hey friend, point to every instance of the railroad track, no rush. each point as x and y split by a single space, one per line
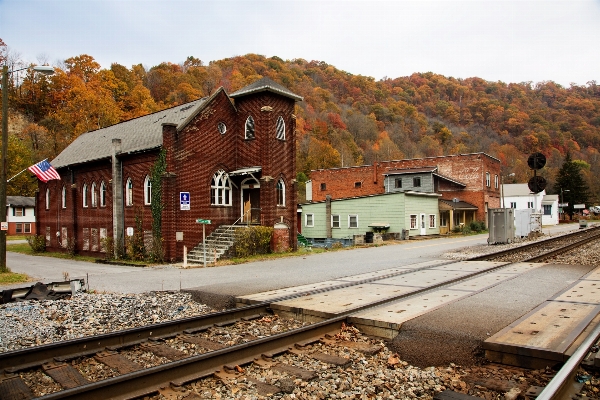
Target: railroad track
174 368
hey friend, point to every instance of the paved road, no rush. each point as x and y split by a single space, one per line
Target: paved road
254 277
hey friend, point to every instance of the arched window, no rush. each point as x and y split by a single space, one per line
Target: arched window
129 192
94 198
47 199
63 197
147 191
249 130
280 192
102 194
280 129
84 194
220 189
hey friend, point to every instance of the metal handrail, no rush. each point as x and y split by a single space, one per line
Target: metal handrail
232 226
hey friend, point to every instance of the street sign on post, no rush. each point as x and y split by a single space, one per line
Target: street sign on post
579 206
184 201
204 222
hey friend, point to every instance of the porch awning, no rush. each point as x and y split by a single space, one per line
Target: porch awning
379 225
245 171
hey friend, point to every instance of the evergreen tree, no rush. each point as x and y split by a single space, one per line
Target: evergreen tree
570 185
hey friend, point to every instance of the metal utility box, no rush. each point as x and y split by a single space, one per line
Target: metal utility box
501 223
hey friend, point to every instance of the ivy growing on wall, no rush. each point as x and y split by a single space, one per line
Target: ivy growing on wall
156 204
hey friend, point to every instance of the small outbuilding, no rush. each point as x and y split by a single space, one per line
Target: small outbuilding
395 215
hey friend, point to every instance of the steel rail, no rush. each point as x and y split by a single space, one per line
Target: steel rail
36 356
532 245
564 249
177 373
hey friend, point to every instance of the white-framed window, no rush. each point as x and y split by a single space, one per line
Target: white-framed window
94 195
63 197
432 221
280 129
102 194
496 181
249 128
413 221
547 209
147 191
280 192
513 204
222 128
309 220
27 227
530 204
220 189
417 182
47 199
18 211
487 179
352 221
335 221
129 192
84 195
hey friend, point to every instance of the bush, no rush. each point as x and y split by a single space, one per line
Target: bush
252 240
37 243
477 226
107 244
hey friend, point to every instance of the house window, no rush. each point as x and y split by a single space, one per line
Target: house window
280 129
129 192
94 195
352 221
357 185
280 193
432 220
487 179
413 221
443 219
530 204
323 186
18 211
147 190
249 130
335 221
222 128
416 182
309 220
496 181
63 197
47 199
513 204
102 194
18 227
84 195
398 183
547 209
220 189
27 227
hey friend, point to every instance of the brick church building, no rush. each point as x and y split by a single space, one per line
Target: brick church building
224 158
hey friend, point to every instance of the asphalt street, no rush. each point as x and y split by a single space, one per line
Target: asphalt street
248 278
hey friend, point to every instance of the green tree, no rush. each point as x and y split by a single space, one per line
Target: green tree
571 185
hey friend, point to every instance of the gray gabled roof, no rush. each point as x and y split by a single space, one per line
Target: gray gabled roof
265 84
138 134
20 201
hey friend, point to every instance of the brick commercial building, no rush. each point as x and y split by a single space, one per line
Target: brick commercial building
224 158
470 183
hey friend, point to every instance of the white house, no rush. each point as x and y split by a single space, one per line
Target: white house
519 197
20 215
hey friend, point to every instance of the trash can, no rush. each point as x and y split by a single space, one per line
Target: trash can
369 237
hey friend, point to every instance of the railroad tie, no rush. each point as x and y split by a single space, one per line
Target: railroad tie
66 376
163 350
202 342
116 361
12 387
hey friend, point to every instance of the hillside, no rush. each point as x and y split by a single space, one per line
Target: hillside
344 120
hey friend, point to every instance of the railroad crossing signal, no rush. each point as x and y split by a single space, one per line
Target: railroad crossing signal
537 183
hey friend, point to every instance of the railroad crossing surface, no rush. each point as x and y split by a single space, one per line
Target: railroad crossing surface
526 314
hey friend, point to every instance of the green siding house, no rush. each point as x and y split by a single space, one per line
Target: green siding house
416 212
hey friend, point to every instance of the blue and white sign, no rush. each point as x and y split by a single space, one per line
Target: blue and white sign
184 200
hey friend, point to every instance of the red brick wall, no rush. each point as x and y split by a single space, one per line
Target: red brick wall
469 169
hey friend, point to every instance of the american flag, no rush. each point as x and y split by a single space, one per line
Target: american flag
44 171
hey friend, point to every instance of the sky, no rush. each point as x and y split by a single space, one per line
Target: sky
509 41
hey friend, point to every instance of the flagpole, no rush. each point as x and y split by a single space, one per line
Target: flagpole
16 175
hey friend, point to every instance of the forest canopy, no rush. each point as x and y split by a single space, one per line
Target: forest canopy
344 120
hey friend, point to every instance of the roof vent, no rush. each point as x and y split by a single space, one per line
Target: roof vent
455 200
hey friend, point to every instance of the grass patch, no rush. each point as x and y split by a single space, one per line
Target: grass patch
16 237
24 248
271 256
11 277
